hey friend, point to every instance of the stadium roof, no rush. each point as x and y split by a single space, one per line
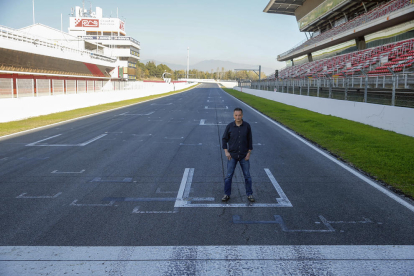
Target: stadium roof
287 7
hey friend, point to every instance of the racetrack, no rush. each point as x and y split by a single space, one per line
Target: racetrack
152 175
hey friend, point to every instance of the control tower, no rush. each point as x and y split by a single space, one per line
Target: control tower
110 34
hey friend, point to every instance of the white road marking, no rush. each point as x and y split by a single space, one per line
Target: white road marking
56 171
111 203
283 198
203 123
158 191
137 211
206 107
184 200
258 144
131 114
209 260
31 144
333 159
23 196
36 144
199 144
86 116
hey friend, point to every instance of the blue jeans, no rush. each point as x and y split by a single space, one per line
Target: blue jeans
231 166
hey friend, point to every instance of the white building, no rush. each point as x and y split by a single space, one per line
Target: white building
109 36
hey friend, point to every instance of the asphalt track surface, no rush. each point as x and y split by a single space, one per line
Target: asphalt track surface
152 174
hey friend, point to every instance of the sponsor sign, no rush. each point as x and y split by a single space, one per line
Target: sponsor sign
98 24
87 23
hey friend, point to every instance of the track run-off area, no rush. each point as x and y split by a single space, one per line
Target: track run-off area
137 191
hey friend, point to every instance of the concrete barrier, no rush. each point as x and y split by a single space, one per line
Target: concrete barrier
23 108
393 118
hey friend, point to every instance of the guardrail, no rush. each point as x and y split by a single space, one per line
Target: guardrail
396 90
14 35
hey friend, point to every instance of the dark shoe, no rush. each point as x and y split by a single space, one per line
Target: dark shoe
250 198
225 198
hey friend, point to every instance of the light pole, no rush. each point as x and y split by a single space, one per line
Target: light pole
188 61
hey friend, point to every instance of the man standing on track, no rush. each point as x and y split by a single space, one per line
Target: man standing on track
238 136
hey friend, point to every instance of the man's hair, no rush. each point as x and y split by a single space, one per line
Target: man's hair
238 109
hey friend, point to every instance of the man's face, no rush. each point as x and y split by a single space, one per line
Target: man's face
238 116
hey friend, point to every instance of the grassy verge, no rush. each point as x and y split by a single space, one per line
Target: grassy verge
26 124
384 155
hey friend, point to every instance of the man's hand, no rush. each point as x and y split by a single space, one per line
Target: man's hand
247 156
227 154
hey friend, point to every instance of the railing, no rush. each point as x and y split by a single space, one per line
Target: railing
396 90
14 35
107 37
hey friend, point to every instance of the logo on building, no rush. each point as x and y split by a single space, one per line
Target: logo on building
121 25
94 23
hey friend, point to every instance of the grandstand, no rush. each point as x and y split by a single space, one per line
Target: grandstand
349 38
95 55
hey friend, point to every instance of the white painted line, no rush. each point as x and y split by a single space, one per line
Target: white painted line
187 177
283 198
333 159
137 211
179 138
203 123
206 107
36 144
56 171
81 117
92 205
32 144
258 144
184 200
158 191
130 114
208 260
23 196
92 140
199 144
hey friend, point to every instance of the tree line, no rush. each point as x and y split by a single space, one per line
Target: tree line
150 71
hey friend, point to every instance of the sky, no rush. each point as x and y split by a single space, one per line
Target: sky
231 30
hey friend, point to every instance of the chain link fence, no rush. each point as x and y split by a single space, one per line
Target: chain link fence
395 89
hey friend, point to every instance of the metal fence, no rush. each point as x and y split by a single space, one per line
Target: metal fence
393 90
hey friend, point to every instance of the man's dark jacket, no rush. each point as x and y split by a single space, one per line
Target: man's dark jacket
239 139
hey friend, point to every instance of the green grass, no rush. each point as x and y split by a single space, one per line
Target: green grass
17 126
384 155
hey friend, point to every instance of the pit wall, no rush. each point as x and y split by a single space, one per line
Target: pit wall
23 108
393 118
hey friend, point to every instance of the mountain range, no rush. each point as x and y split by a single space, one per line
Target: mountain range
207 65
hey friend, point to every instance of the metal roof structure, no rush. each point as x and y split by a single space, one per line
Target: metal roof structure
287 7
